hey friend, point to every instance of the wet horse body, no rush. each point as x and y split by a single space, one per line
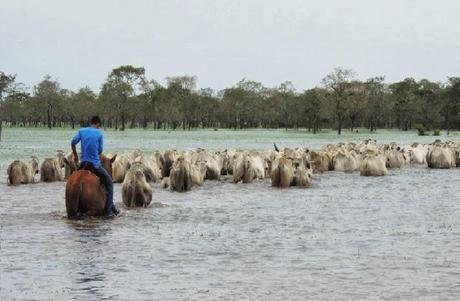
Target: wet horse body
85 195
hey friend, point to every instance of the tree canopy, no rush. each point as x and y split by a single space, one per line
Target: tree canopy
127 98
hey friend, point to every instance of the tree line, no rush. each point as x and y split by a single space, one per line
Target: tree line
127 99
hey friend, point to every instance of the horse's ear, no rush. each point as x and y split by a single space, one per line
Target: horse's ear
113 159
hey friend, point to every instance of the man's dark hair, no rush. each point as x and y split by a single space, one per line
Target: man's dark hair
95 120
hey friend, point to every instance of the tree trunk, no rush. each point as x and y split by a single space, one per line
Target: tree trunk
339 126
122 121
49 117
448 124
406 125
315 124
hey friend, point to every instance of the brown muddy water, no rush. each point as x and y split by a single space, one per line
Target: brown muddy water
345 238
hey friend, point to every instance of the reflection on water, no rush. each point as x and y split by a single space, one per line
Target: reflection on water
395 237
90 241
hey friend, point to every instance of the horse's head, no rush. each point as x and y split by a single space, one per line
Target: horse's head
71 165
107 163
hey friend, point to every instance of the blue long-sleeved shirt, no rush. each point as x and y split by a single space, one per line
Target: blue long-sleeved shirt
92 145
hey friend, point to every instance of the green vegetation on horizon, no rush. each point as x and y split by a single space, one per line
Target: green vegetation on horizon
128 99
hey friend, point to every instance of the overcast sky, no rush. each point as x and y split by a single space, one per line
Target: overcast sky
221 42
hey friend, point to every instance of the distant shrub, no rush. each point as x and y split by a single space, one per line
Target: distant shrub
436 133
421 129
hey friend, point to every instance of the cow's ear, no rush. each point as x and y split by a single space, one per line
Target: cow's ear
113 159
66 161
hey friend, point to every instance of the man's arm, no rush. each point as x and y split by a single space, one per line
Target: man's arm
75 155
74 143
101 144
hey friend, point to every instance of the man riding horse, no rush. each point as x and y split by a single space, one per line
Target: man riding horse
92 142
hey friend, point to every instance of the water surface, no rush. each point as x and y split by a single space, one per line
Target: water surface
346 238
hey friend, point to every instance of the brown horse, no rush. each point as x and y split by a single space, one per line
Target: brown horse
84 194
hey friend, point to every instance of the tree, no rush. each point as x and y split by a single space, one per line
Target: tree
152 92
183 102
337 83
15 105
428 104
356 102
290 104
80 106
404 94
5 83
312 103
208 108
240 103
127 98
48 95
252 95
451 102
122 84
375 109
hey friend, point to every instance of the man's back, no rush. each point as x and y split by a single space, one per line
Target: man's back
91 145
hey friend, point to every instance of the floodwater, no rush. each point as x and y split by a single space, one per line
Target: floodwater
345 238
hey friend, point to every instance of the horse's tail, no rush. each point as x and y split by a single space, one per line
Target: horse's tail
72 198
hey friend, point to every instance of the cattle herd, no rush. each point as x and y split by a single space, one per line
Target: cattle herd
181 170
